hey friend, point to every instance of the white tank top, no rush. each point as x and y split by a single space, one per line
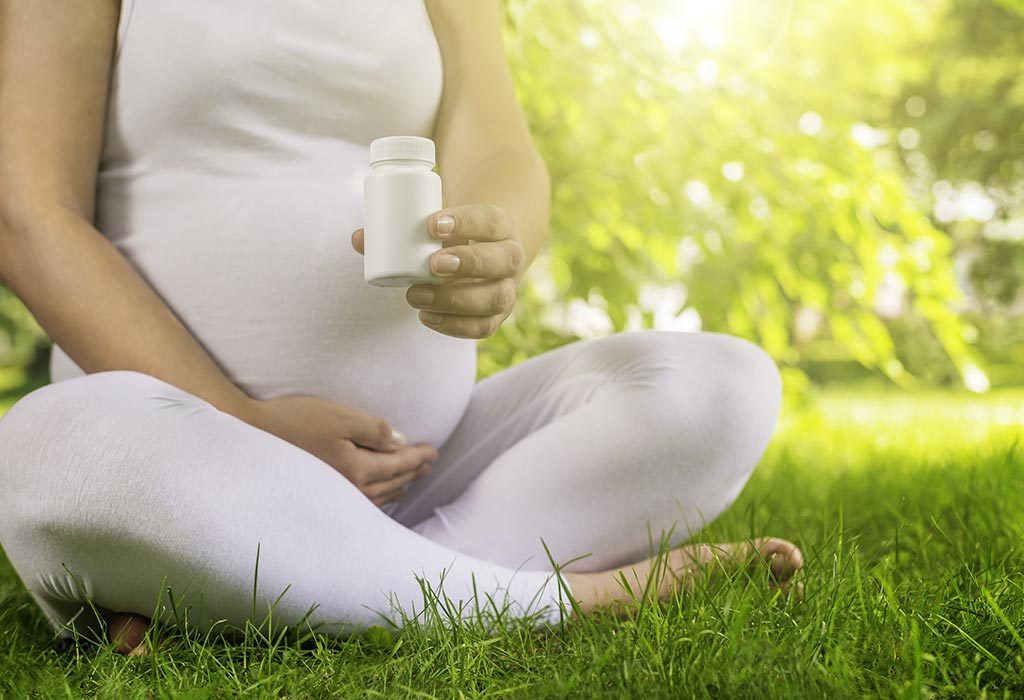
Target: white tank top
237 139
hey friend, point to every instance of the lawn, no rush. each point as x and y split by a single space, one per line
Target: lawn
909 509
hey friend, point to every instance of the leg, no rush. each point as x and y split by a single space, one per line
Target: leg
586 444
116 483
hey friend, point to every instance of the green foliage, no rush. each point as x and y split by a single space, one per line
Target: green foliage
999 271
972 127
20 338
1013 5
746 159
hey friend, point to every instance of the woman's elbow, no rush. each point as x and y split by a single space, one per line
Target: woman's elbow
21 216
541 179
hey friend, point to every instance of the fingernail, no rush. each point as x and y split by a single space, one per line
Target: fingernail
397 438
430 317
446 263
444 226
421 296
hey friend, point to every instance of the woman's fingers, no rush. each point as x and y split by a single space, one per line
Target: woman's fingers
395 495
472 222
379 489
476 327
368 466
465 297
485 260
372 432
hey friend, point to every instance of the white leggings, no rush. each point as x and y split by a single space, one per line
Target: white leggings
118 486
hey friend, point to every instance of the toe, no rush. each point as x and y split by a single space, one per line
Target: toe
128 631
784 558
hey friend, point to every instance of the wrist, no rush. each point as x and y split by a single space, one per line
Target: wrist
242 406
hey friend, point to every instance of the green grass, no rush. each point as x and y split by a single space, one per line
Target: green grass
910 511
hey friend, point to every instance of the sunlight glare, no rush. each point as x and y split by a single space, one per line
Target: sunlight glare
693 13
711 35
671 33
698 193
702 18
810 123
733 171
975 379
707 71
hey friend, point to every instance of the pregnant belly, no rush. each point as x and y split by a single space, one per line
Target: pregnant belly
264 275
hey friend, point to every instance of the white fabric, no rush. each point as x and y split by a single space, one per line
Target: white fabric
126 482
236 142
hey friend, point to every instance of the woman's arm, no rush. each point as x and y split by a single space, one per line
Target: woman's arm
55 59
496 185
485 152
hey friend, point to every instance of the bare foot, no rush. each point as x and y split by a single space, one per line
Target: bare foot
128 631
682 566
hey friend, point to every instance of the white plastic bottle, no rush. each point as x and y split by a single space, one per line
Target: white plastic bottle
399 193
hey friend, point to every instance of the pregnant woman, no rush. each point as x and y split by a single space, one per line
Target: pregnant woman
180 207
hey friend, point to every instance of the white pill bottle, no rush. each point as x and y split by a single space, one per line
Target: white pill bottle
399 193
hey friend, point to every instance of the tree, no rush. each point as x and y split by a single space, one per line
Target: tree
742 161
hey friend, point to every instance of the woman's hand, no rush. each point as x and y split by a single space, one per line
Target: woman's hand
363 448
484 276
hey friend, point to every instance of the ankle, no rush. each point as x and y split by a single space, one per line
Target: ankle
584 590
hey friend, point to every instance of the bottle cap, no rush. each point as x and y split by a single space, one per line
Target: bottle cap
402 148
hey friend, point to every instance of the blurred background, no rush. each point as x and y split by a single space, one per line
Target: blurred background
840 181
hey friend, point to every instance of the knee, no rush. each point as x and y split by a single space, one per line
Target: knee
744 401
750 381
79 410
756 385
51 404
726 390
63 445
